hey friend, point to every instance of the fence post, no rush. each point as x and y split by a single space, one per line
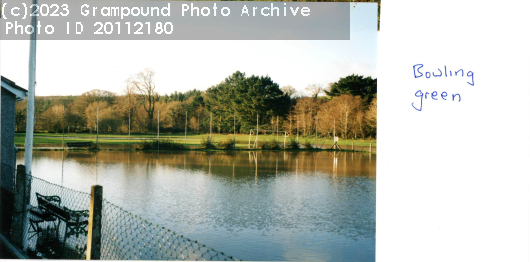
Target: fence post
94 224
20 206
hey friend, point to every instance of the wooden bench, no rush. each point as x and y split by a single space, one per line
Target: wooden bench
76 222
79 144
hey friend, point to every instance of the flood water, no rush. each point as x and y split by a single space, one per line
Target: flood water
311 206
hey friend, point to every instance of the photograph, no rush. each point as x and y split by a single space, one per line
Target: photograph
222 149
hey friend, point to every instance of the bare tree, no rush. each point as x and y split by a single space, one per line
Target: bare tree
288 90
314 90
144 83
130 94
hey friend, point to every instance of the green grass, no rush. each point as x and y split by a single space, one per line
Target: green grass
192 140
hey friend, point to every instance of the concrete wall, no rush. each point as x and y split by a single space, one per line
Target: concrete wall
8 141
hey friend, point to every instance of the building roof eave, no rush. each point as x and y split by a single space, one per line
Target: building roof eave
19 92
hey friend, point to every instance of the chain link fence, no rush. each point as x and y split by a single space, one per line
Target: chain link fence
62 236
125 236
142 240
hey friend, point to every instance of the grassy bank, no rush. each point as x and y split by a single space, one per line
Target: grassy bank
242 140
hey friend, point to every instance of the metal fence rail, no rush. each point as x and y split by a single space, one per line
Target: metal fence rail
125 236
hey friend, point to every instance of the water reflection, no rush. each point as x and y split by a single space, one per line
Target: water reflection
252 205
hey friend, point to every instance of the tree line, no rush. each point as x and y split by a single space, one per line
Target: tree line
347 107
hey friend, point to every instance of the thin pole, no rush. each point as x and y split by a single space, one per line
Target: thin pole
234 127
249 136
97 153
277 129
335 142
129 128
158 131
316 131
333 128
257 130
30 122
186 129
290 120
210 130
62 167
63 127
296 129
97 134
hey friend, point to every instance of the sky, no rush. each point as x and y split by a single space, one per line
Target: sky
75 67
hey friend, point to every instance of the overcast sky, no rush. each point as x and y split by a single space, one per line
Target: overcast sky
74 67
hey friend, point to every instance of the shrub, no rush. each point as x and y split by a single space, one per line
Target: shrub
94 147
164 144
207 143
270 145
229 144
292 144
308 145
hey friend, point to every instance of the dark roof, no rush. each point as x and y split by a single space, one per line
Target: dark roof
12 84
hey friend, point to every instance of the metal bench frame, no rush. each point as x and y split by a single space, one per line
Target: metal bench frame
76 222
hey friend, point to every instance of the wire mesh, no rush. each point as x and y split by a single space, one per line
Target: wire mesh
125 236
61 236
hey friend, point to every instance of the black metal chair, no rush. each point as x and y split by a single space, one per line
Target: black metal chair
37 216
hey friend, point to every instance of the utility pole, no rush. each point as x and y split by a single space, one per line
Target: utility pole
30 121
